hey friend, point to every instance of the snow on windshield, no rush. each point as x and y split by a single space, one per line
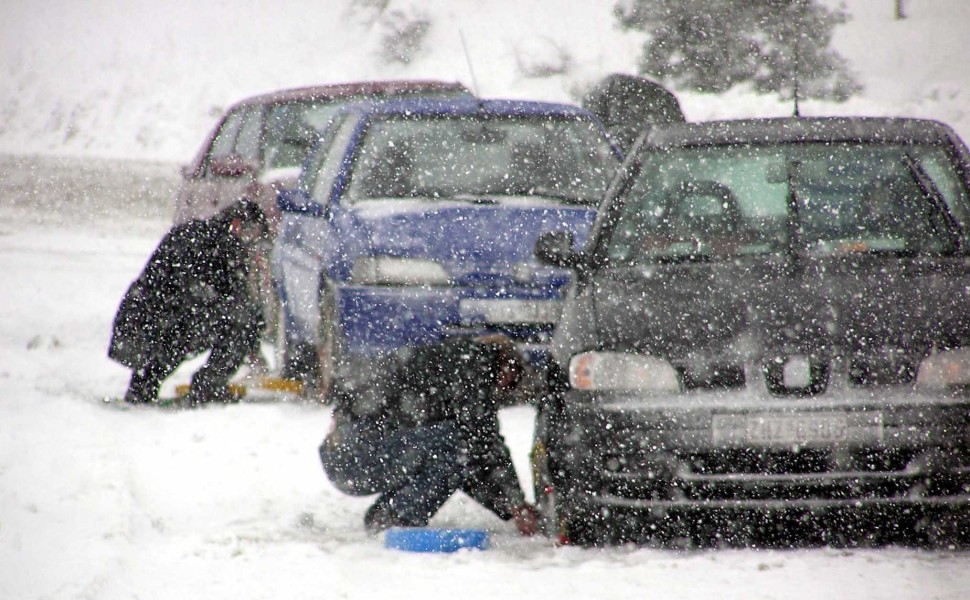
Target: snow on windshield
447 157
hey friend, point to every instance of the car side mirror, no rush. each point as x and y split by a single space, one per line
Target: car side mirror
555 248
298 200
232 165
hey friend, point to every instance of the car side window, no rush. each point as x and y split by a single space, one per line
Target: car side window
225 141
248 141
291 130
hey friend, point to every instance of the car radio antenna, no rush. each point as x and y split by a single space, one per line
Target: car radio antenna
468 61
795 86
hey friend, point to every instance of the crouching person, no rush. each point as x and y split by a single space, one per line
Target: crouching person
434 432
192 296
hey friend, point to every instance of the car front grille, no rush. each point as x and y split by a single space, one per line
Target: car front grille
811 475
785 462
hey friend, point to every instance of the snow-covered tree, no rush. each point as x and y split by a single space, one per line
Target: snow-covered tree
778 46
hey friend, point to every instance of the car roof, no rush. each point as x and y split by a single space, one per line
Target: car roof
467 106
360 88
800 129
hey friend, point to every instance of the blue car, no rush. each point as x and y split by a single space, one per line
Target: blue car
415 219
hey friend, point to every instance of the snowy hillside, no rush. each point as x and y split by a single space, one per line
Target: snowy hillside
147 81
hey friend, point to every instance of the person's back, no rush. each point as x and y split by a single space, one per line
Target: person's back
434 383
438 425
197 262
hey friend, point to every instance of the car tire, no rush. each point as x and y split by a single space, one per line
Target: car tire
580 525
944 529
563 514
567 516
328 347
546 477
280 352
545 492
297 359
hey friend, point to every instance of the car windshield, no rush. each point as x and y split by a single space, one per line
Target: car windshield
710 203
482 157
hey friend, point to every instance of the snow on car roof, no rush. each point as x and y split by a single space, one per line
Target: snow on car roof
359 88
800 129
467 106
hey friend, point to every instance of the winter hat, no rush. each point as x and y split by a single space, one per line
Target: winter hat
247 211
507 358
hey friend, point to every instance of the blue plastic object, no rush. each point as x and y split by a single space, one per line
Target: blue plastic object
428 539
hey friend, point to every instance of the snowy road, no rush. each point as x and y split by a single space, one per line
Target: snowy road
230 502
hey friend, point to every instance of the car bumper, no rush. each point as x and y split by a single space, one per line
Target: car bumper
706 451
376 320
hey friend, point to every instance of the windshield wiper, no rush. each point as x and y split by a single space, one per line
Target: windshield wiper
532 191
472 198
554 194
680 259
441 194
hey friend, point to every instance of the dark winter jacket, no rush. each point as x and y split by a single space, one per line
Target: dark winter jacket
628 105
451 381
197 274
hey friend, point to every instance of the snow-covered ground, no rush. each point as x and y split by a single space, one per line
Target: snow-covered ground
230 502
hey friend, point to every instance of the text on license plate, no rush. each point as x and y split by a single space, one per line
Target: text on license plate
509 311
819 427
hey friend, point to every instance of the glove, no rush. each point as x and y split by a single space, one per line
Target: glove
526 519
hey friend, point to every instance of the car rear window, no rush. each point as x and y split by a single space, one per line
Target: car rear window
710 203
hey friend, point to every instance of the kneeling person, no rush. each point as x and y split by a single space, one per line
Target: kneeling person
192 296
435 431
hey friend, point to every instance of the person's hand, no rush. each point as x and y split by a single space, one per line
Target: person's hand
526 519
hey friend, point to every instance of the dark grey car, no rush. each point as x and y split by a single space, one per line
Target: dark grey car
769 327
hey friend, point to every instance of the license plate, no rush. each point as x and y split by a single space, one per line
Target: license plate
800 428
509 311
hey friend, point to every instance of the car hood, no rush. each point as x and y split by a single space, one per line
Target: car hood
860 304
482 242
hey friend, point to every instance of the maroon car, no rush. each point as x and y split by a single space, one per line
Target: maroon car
258 147
260 143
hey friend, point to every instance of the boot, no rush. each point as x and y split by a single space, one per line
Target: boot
380 517
142 387
206 389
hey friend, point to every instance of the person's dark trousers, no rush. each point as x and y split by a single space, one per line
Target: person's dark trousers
230 337
231 340
477 486
415 470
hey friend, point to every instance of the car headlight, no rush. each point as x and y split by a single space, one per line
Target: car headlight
944 369
393 270
622 371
